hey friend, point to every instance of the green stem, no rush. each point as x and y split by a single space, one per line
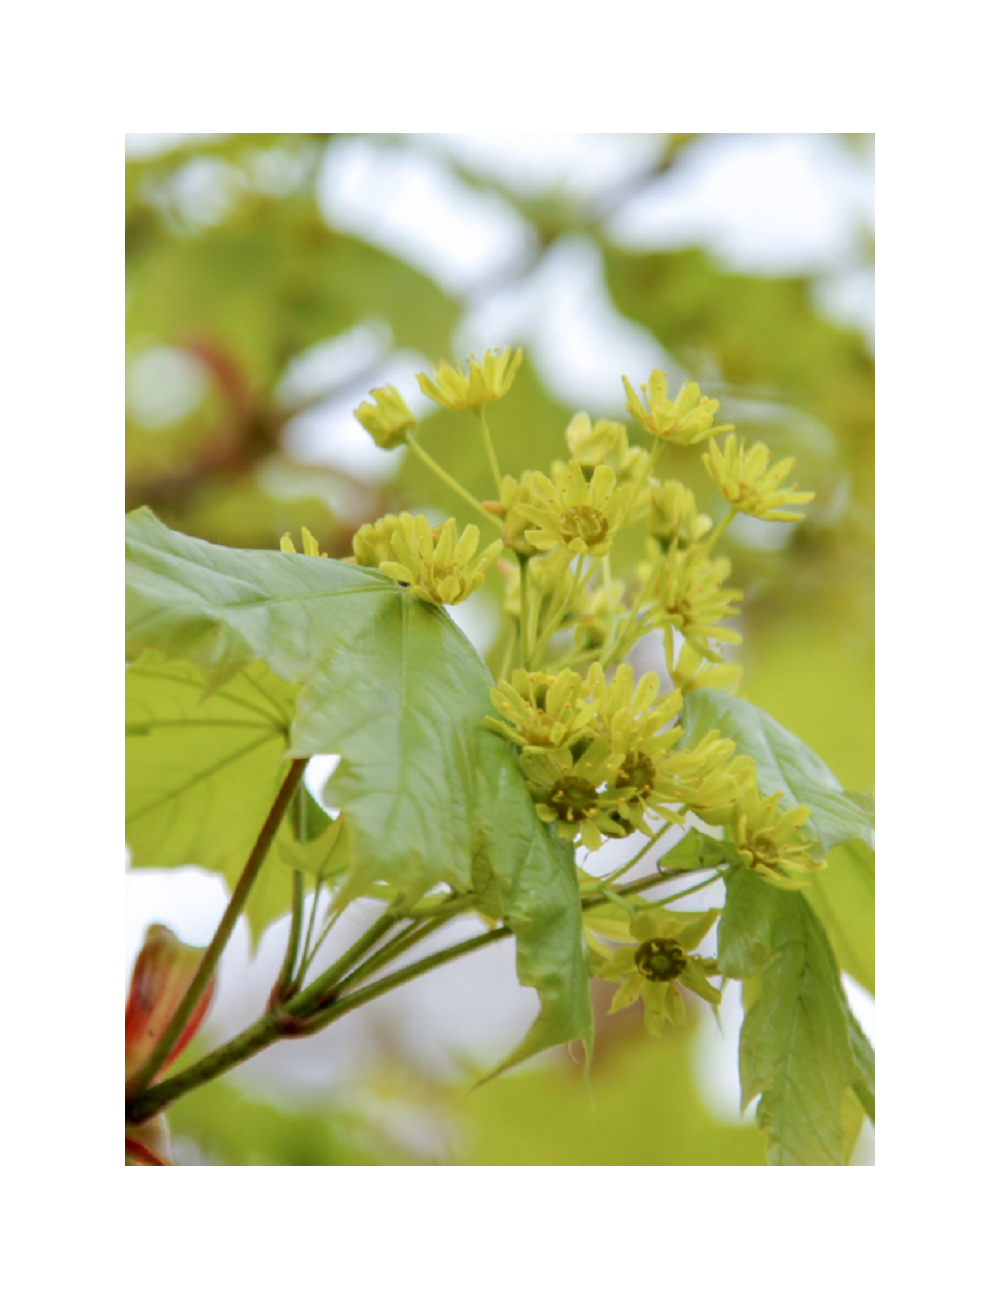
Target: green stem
620 871
525 642
534 612
396 946
144 1076
305 1002
311 954
285 983
411 972
300 974
654 456
612 612
720 528
578 584
253 1040
668 647
274 1025
692 889
431 962
491 455
631 626
445 477
508 655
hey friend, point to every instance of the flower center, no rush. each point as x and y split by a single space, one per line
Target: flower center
639 771
573 798
439 572
584 522
660 959
764 850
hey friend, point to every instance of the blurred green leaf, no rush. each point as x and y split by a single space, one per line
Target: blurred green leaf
231 1128
843 897
641 1108
800 1047
429 793
764 333
816 676
274 279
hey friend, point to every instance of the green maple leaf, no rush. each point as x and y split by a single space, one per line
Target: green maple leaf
243 660
841 820
800 1047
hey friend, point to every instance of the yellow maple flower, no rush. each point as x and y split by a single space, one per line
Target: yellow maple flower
673 514
570 512
750 484
514 493
541 710
606 443
662 958
577 795
434 563
770 842
591 444
388 419
487 381
372 543
693 672
685 420
658 775
687 586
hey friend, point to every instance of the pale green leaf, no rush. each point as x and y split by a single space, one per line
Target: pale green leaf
698 851
202 770
430 795
800 1047
307 818
325 857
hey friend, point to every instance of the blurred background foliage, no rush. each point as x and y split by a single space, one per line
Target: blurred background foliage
273 279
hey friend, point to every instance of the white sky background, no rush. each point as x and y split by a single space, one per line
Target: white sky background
781 204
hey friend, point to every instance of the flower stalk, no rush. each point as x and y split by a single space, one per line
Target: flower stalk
213 952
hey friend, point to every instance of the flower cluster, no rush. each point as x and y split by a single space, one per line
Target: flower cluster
603 755
600 756
770 842
605 443
748 481
435 563
687 588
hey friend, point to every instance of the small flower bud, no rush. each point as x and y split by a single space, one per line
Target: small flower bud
388 420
